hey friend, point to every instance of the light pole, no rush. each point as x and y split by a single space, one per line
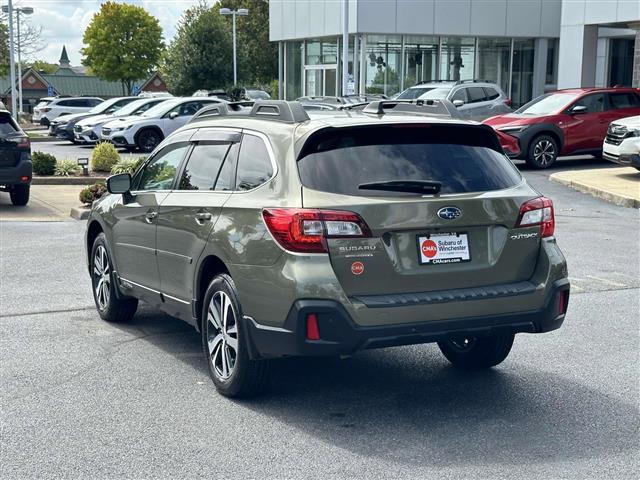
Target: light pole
12 64
25 11
241 12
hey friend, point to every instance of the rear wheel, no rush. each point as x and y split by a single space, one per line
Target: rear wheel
110 307
232 371
477 353
20 195
543 152
147 140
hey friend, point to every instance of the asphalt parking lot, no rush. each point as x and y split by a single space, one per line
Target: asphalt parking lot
63 149
83 398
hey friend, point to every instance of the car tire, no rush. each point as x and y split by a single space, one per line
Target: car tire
477 353
225 349
147 140
543 152
20 195
111 306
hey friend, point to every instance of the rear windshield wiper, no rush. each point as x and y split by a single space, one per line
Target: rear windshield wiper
426 187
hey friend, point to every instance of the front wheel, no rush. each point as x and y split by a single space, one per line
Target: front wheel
110 307
477 353
543 152
232 371
148 140
20 195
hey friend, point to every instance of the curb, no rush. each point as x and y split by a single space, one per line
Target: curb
41 139
80 213
611 197
66 180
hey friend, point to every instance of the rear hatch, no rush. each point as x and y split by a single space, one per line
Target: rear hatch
13 141
421 241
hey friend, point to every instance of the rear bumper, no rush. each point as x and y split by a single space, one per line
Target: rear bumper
340 335
10 176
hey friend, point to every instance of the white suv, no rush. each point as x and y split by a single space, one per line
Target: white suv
622 143
146 131
50 108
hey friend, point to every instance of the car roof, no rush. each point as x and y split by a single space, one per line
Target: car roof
597 89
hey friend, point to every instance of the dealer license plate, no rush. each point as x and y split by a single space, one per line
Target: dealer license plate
443 248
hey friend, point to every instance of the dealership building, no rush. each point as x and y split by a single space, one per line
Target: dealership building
526 46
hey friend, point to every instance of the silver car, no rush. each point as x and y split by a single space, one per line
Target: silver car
474 99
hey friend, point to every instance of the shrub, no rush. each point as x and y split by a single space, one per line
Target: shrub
66 168
92 193
43 163
127 165
104 157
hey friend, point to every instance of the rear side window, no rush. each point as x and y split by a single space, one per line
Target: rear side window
459 95
594 103
460 158
254 163
6 124
623 100
203 167
491 93
476 94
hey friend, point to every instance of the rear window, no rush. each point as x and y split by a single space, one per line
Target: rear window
7 124
460 158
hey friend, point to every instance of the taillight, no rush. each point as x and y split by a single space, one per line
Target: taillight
21 142
45 109
306 230
538 211
508 102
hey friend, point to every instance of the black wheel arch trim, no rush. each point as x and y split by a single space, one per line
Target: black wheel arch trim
529 134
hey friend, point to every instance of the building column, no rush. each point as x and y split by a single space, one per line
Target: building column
636 56
578 54
539 79
280 70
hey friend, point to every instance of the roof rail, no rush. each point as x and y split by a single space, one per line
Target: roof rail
439 80
274 110
474 80
440 108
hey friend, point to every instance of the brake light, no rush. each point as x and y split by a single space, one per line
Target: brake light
538 211
306 230
508 102
21 142
313 332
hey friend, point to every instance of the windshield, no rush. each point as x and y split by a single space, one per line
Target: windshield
547 104
258 94
135 108
101 107
42 103
436 94
413 93
457 160
162 108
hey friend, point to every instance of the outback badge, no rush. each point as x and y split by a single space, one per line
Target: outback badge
449 213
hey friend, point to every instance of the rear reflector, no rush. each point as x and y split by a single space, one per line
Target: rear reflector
538 211
313 332
24 179
563 302
306 230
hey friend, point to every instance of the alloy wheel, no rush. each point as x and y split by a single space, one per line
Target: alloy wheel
544 152
102 277
222 335
148 141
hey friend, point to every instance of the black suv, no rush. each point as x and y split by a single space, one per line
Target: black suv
15 160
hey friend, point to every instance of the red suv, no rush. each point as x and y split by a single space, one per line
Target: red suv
565 122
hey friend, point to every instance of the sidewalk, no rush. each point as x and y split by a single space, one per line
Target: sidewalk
620 185
48 203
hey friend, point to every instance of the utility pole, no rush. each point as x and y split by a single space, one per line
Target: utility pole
233 13
12 63
345 46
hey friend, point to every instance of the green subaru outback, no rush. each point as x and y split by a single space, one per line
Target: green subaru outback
276 233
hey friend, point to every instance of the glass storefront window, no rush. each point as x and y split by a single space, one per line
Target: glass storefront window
383 57
522 74
293 69
457 58
494 61
322 52
420 59
552 62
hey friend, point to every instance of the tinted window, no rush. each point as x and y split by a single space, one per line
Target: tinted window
594 103
6 124
476 94
413 93
65 103
459 95
82 103
203 167
459 158
161 171
254 163
93 102
188 109
623 100
491 93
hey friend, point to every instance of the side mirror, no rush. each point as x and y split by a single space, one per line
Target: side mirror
173 115
458 103
120 183
578 109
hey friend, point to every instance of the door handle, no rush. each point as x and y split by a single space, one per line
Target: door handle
203 217
150 216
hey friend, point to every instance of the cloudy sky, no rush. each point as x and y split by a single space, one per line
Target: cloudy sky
64 21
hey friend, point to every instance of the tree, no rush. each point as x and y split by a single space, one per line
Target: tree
123 43
200 54
42 66
30 35
4 50
257 56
